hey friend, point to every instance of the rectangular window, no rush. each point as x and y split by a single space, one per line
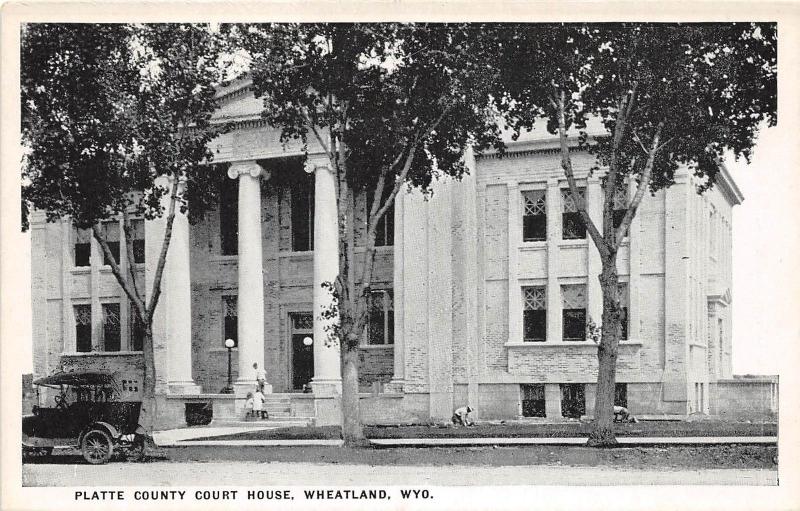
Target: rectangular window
534 216
533 400
110 233
302 197
573 304
573 400
381 317
620 206
384 233
229 217
623 302
230 319
83 328
136 329
621 394
111 327
572 226
83 247
534 314
137 238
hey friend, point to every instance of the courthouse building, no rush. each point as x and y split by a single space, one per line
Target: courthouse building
481 292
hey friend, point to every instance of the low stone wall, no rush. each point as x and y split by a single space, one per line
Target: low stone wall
745 396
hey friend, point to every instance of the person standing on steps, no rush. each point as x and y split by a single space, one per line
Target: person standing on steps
261 377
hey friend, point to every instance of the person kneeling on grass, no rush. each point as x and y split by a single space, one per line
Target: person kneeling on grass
461 416
621 414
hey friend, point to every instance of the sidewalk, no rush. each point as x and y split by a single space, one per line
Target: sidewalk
187 437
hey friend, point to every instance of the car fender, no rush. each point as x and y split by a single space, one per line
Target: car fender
111 430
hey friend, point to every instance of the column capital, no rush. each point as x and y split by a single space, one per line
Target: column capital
249 167
315 163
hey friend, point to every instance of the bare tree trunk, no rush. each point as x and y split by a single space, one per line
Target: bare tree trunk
603 433
352 430
149 412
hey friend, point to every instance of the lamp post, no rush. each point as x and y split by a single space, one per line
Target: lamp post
229 343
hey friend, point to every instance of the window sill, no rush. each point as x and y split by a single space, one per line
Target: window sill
375 346
222 350
561 344
80 270
223 258
296 253
573 243
533 245
99 353
378 248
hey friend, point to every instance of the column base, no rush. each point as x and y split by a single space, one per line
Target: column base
184 387
325 387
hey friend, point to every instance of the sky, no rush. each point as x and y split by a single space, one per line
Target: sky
765 241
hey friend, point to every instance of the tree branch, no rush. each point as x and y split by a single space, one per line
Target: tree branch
644 184
115 269
566 164
162 257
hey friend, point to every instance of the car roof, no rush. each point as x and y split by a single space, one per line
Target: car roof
76 378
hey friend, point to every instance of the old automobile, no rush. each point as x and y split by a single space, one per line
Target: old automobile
84 410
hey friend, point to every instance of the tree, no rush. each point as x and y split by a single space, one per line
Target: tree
114 118
391 105
667 95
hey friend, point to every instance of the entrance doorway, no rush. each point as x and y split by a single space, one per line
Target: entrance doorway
302 350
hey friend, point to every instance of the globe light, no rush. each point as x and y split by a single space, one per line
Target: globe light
308 341
230 343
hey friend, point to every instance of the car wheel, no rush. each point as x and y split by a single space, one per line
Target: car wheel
97 447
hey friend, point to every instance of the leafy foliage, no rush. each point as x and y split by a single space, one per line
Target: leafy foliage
711 86
378 88
108 108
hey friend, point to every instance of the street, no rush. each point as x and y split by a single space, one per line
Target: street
243 473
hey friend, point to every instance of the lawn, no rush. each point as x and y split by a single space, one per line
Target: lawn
517 430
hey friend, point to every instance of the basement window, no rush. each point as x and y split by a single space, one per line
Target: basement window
532 400
621 394
573 400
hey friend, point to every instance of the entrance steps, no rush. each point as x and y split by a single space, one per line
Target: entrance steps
272 422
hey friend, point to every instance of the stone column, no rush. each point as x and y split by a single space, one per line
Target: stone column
250 299
398 378
172 321
327 373
553 239
178 304
515 327
594 293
